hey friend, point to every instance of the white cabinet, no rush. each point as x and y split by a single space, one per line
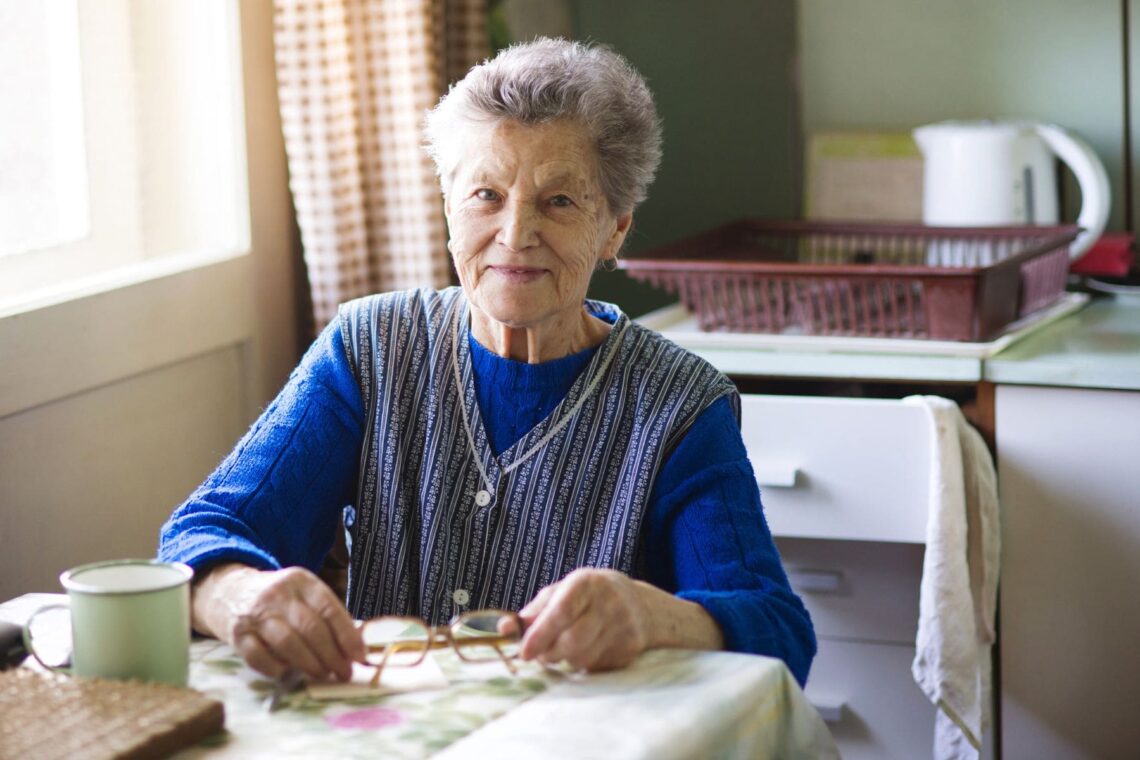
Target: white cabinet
885 715
1069 464
845 485
863 599
840 467
869 590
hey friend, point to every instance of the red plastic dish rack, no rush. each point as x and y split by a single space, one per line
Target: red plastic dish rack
868 280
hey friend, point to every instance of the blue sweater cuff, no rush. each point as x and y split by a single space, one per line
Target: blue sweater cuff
203 546
743 632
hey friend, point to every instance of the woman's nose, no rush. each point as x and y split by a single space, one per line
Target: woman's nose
520 226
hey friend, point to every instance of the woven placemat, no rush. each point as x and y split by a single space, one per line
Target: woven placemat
44 715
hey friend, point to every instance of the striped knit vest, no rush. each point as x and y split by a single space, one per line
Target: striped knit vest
419 542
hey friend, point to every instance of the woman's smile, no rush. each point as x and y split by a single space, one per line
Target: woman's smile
517 274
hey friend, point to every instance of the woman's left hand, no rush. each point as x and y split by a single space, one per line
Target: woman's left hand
598 619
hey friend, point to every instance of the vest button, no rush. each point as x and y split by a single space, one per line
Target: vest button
460 597
483 498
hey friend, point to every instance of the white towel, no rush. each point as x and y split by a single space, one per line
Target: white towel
958 594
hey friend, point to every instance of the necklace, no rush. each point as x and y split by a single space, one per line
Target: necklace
483 497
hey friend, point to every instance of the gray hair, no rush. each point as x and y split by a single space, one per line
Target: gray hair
552 80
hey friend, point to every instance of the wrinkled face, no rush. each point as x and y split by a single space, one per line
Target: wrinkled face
529 222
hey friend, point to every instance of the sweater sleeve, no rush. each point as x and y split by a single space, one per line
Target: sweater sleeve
276 498
707 541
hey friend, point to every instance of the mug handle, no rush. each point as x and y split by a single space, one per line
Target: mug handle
28 639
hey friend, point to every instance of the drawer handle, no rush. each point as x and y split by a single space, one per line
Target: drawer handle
831 710
776 474
816 581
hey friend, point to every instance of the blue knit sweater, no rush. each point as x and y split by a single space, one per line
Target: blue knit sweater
274 501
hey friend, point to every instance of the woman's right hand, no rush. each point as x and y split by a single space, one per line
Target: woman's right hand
277 620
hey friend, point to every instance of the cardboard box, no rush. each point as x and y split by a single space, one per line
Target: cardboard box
863 176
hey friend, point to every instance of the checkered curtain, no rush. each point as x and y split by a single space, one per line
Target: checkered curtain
354 78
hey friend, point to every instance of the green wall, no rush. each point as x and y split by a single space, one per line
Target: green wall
721 73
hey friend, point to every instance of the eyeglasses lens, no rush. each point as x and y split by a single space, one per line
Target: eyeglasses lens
487 635
395 641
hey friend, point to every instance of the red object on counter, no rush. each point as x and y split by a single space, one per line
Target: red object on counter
1111 255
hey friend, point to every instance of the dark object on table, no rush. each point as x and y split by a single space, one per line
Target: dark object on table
44 715
12 651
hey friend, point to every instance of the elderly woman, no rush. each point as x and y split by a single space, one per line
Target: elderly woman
507 443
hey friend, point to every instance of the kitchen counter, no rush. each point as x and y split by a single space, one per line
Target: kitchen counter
814 356
1097 347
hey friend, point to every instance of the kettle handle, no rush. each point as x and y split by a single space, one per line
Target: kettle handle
1091 176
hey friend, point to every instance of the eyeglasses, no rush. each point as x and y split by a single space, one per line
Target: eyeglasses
478 636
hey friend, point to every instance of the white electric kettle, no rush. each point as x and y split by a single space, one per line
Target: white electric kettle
986 173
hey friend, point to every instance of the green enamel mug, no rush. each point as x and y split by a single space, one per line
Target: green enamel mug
130 619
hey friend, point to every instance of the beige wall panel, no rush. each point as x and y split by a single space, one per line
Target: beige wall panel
1070 674
93 476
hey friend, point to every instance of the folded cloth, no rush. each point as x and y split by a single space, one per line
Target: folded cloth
958 593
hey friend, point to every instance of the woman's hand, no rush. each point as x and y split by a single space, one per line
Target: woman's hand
278 620
602 620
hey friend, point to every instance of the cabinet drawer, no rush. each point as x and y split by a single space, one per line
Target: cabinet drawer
840 468
857 589
870 702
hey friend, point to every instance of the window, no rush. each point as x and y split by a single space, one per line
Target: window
121 141
43 167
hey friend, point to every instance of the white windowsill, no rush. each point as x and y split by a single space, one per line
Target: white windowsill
103 329
113 279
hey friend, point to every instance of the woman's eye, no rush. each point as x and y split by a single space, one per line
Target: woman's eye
561 201
486 194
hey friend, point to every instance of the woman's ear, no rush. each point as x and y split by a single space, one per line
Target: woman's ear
624 222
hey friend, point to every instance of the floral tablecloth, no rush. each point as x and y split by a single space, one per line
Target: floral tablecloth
411 724
668 704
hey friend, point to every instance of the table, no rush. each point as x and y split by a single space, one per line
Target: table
668 704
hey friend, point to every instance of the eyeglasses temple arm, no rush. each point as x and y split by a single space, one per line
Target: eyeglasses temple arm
506 660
